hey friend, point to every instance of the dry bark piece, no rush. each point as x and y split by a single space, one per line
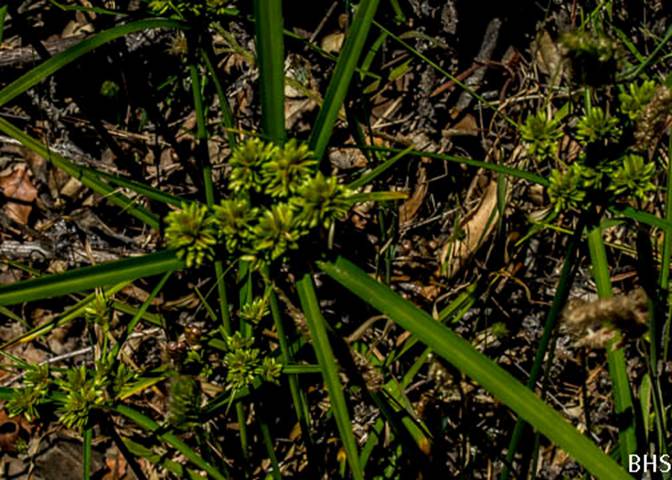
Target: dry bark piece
347 158
301 89
72 188
17 186
116 464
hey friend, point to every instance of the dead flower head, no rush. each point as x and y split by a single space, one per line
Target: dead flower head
595 323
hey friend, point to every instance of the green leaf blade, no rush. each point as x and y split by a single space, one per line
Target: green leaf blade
492 377
326 359
340 79
88 278
271 60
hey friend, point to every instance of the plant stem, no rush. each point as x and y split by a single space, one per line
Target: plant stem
86 457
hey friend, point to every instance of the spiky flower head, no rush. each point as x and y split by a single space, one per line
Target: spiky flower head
242 365
541 134
254 311
597 126
321 200
652 119
184 8
635 97
98 311
598 48
565 189
288 168
234 218
246 163
245 363
192 232
634 177
184 400
238 341
27 400
270 369
594 57
84 392
277 231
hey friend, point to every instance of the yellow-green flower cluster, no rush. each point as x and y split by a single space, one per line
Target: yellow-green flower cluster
245 363
275 198
192 232
608 168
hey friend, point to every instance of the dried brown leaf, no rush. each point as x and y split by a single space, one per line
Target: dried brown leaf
409 209
476 229
333 42
17 185
548 57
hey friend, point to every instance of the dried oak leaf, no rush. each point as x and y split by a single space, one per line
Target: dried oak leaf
17 186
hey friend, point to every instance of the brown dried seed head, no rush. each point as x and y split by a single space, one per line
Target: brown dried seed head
596 340
192 334
593 320
371 375
653 118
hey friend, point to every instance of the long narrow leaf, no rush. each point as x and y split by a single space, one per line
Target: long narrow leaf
55 63
559 299
139 187
86 454
88 278
340 79
465 357
271 61
80 173
172 440
326 359
493 167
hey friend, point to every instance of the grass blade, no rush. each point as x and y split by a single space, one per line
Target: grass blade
171 439
326 359
615 357
340 79
3 15
465 357
664 280
67 316
88 278
371 175
298 398
55 63
271 62
140 312
493 167
138 187
87 178
227 116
